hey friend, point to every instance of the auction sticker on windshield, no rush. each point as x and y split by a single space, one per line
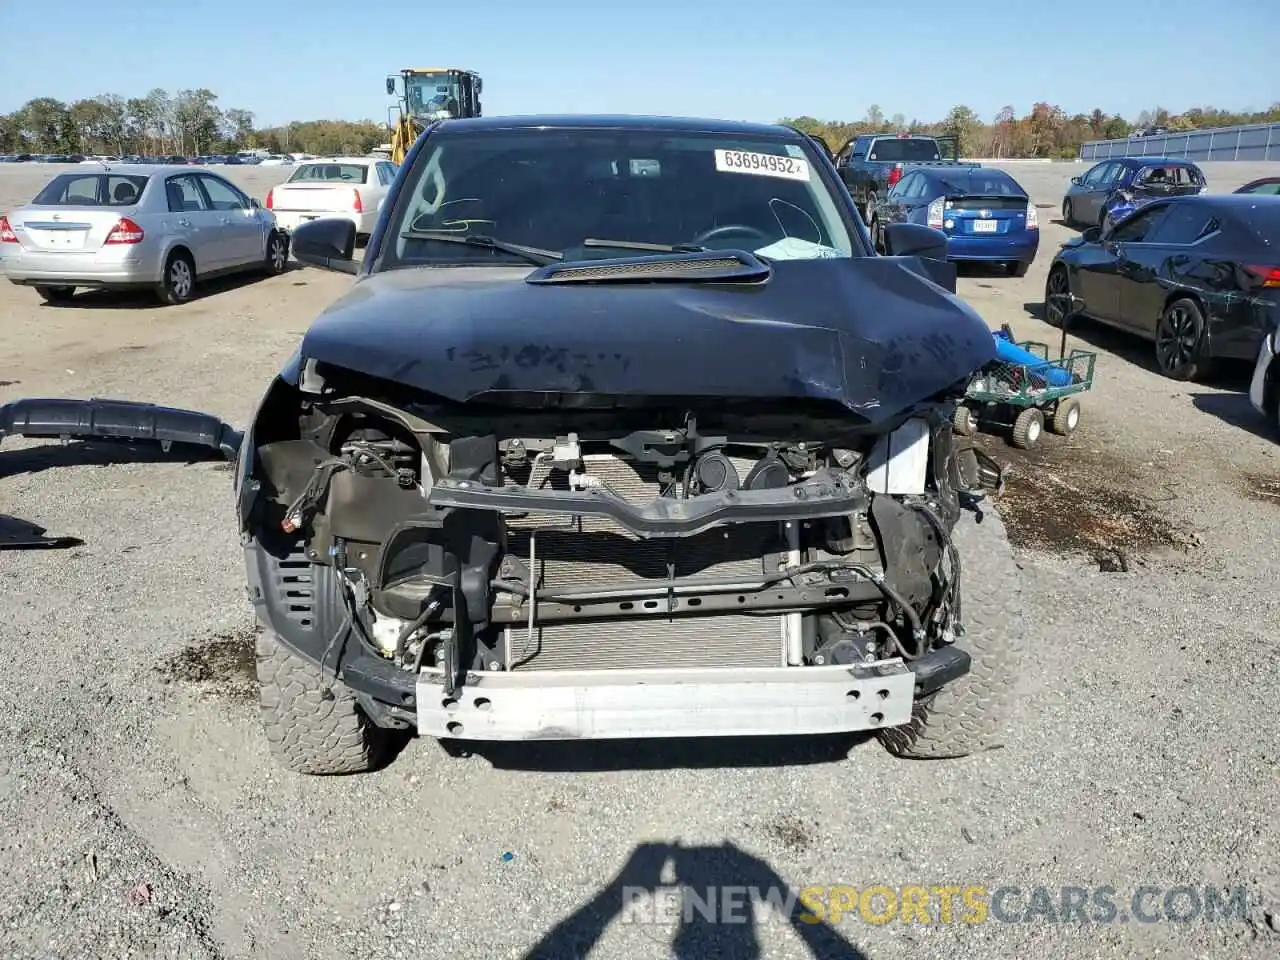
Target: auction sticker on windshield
762 164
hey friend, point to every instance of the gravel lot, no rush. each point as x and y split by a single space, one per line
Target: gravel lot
143 816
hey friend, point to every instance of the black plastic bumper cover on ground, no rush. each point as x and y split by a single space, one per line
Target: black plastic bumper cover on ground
120 420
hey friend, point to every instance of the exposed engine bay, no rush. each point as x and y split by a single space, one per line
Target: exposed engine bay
472 538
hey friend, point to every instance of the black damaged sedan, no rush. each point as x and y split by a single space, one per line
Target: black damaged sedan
624 431
1196 275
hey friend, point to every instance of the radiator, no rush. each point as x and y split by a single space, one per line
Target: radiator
586 551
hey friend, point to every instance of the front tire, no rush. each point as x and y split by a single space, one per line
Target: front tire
1066 417
56 294
1068 215
967 715
1028 428
178 284
313 724
1180 341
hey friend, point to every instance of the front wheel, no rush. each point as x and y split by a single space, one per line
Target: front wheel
1028 428
313 724
877 240
966 715
1068 215
1066 417
1180 341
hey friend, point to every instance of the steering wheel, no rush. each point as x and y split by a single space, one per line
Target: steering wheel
731 228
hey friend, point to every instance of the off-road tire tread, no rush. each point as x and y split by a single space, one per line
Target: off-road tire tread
967 715
962 421
312 725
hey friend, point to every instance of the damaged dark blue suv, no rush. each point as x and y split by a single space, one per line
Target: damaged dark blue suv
623 430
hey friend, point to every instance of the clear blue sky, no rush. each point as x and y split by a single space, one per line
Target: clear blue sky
747 59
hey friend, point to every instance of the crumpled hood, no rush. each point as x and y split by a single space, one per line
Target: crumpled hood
868 333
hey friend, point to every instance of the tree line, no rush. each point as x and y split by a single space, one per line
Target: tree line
191 123
185 123
1047 131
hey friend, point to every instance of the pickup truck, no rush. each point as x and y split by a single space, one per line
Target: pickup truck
872 163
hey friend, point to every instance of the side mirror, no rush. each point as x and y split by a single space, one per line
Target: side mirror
328 243
391 86
915 240
257 204
1092 235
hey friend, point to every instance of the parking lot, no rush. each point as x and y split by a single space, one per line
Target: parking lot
144 816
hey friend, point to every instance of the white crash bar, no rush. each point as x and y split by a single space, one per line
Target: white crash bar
619 704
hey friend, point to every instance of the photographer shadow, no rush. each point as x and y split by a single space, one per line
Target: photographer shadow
704 931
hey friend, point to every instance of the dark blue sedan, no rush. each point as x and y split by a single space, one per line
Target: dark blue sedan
985 213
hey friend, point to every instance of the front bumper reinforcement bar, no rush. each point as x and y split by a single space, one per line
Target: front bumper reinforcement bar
623 704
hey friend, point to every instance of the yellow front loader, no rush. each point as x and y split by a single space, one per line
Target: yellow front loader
426 95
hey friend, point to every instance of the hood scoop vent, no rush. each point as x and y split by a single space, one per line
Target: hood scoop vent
711 266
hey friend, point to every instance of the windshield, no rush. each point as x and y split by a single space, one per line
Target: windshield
553 189
91 190
433 95
904 150
330 172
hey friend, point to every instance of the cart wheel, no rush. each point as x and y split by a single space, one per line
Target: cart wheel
1066 417
962 421
1028 428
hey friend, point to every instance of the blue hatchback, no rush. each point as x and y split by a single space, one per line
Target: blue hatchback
985 213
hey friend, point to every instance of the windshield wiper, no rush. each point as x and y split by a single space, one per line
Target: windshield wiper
535 255
637 245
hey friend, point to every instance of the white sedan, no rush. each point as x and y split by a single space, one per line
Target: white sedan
163 227
347 187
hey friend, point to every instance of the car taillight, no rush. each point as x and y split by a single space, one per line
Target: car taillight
126 231
895 174
935 213
269 198
1033 219
6 232
1268 276
358 205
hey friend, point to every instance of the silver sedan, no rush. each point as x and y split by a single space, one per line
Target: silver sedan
137 226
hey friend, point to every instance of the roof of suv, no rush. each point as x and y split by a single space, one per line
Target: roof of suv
626 122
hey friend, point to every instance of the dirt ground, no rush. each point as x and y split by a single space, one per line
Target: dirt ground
143 816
